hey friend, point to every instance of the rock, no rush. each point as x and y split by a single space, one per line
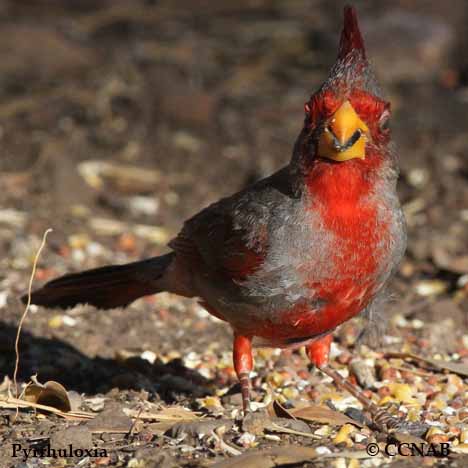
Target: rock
364 373
255 423
112 418
195 429
79 437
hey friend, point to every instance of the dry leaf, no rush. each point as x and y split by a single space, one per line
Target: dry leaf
275 408
323 415
455 367
270 458
172 413
280 429
50 394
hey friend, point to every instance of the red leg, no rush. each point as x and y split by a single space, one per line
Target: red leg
243 364
319 350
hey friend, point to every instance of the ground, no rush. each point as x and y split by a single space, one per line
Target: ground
119 119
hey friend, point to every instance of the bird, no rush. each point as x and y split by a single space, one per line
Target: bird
291 257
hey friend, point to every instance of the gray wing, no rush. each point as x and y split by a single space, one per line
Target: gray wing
231 236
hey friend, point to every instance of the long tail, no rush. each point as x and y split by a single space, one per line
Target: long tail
106 287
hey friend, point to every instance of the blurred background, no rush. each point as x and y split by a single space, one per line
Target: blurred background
119 119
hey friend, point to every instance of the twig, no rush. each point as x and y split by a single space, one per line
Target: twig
161 416
131 432
273 427
23 317
16 403
414 371
225 447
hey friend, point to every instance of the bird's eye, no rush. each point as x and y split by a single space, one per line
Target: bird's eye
384 121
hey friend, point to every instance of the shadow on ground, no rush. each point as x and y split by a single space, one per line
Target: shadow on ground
54 359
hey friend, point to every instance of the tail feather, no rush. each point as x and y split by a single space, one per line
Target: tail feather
106 287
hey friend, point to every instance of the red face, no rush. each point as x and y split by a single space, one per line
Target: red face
371 112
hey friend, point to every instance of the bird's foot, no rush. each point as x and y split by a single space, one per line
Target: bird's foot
381 418
389 424
318 352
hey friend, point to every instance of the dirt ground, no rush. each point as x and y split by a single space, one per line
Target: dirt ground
118 120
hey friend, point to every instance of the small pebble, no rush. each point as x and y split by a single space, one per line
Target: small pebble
246 440
427 288
433 431
56 321
438 438
402 392
343 435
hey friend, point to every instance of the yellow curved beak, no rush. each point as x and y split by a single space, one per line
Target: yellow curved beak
344 136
